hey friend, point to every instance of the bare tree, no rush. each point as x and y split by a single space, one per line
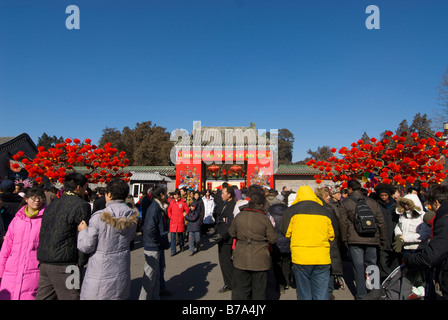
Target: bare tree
441 116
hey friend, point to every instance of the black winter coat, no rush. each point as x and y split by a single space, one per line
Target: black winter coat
283 244
391 220
193 220
11 203
155 234
435 254
59 231
199 204
224 219
99 204
335 245
145 202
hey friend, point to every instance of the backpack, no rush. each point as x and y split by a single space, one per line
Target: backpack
364 221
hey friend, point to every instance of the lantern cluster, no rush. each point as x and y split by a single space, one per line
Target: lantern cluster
403 162
103 164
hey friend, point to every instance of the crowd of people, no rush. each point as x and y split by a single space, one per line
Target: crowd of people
75 244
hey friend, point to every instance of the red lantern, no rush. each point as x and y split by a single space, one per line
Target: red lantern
235 168
213 168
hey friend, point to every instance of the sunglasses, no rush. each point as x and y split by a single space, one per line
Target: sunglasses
37 199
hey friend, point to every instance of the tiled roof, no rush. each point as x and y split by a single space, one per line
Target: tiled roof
3 140
163 170
283 169
7 143
149 176
295 169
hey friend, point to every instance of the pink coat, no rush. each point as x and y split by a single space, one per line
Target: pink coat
18 258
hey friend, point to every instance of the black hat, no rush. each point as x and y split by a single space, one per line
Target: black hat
7 185
384 188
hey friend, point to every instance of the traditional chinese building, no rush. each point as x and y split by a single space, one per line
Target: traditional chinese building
214 155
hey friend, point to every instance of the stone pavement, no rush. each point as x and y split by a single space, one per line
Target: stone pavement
198 277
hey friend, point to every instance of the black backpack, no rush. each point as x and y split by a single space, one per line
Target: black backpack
364 221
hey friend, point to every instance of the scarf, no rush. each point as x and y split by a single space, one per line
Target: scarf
29 214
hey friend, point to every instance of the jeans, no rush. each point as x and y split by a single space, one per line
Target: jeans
193 239
312 281
362 256
180 235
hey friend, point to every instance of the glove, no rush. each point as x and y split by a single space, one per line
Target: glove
398 243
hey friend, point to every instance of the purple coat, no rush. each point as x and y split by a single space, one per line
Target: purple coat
19 268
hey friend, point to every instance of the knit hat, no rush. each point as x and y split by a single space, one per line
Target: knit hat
7 186
383 188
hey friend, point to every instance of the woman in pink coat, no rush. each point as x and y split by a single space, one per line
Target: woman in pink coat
19 270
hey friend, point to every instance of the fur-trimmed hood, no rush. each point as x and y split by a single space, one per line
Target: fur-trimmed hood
118 215
119 223
413 201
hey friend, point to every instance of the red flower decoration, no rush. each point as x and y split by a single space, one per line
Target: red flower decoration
54 162
401 163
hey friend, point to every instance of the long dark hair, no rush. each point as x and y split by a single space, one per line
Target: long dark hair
257 200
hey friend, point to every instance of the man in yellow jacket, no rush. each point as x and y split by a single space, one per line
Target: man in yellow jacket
307 223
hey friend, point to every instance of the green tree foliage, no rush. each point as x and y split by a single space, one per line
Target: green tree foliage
285 146
321 154
420 124
46 141
145 145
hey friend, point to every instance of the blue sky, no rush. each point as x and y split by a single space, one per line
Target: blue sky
309 66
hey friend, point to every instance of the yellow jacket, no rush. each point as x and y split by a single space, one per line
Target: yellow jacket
308 224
